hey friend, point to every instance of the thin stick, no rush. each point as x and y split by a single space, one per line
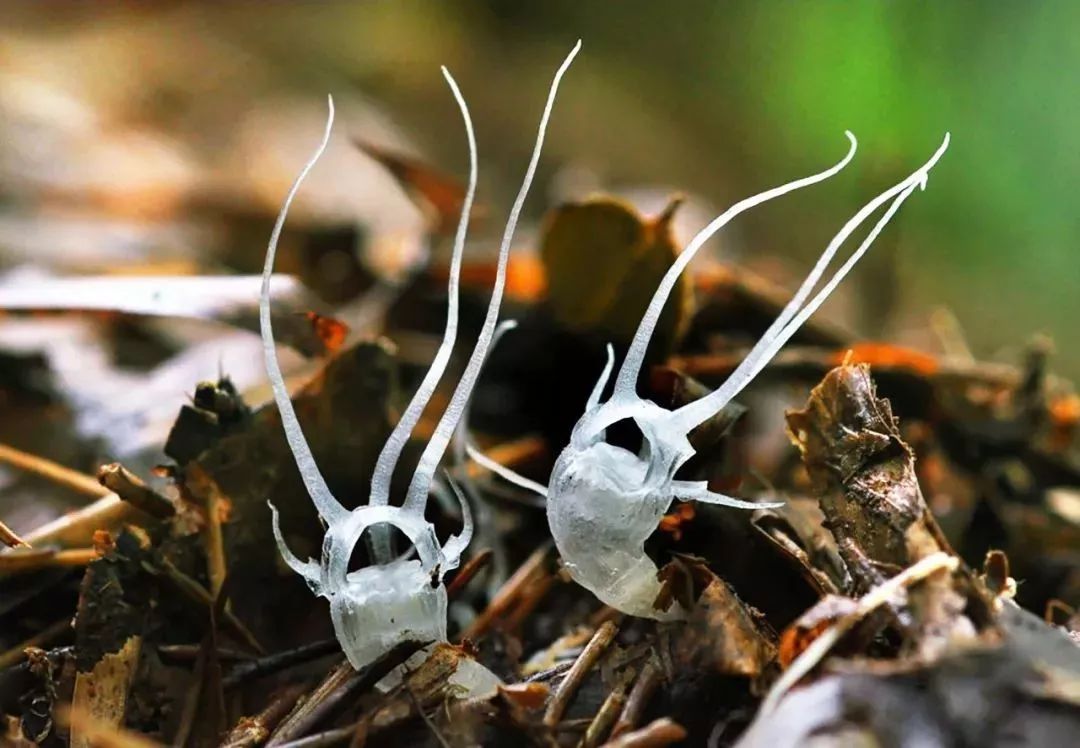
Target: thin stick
336 736
252 731
509 454
643 690
206 489
23 561
16 654
132 489
605 716
196 592
340 684
658 733
78 527
176 653
280 661
599 643
509 592
465 575
427 720
10 539
528 601
73 479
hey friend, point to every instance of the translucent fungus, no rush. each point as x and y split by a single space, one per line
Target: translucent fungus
395 599
604 501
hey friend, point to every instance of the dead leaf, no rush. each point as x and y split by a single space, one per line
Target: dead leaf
439 195
604 261
227 299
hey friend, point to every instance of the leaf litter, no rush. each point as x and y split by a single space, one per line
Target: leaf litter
884 581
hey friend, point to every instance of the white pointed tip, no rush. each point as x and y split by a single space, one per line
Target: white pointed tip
329 121
851 137
925 171
573 53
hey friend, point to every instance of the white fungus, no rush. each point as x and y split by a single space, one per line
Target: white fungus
604 501
400 599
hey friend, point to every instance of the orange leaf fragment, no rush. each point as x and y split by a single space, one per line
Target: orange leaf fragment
332 332
887 355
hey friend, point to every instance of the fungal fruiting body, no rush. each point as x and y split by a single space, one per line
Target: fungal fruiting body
394 599
604 501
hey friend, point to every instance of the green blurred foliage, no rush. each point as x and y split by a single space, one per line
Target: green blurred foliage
723 99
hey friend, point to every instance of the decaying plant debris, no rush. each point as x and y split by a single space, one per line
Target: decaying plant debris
910 576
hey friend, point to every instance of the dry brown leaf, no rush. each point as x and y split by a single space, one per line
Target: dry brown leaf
604 261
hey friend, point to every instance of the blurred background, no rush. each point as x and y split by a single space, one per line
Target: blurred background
160 137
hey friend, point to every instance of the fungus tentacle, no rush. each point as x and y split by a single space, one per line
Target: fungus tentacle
486 532
504 472
328 507
395 443
456 544
626 381
391 451
309 569
382 604
687 490
601 383
604 501
463 444
429 461
795 314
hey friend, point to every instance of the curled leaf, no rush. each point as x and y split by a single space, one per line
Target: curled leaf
603 260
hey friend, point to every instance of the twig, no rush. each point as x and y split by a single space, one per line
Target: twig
341 683
78 527
189 653
197 593
599 643
280 661
252 731
205 489
307 712
10 539
361 730
132 489
73 479
468 571
659 732
190 708
528 601
337 736
22 561
509 593
49 634
427 720
605 716
638 700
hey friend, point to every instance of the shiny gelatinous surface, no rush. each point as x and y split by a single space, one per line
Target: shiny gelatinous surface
393 600
601 512
603 501
383 606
